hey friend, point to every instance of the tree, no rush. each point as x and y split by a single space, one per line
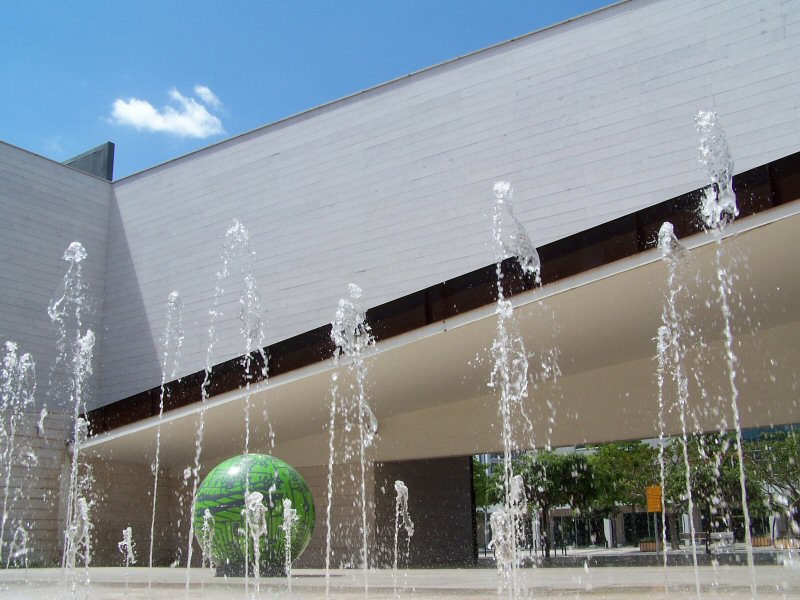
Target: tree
714 477
482 484
553 480
622 472
774 461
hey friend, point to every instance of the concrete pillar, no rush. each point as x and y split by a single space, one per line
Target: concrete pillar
440 504
619 527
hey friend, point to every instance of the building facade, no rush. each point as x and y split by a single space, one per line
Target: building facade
592 121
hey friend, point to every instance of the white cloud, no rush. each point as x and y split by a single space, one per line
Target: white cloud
207 96
188 118
54 146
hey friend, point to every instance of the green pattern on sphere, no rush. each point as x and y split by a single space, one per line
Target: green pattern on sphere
222 492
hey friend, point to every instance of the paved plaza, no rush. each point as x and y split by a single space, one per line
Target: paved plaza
600 583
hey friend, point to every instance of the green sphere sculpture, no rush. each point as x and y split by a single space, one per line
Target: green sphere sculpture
222 494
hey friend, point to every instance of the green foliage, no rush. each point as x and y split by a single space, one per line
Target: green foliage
774 461
617 474
488 485
622 472
557 479
480 483
714 476
553 480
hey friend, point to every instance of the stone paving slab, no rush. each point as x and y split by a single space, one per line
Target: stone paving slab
725 582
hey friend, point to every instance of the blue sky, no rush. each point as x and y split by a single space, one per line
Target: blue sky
163 78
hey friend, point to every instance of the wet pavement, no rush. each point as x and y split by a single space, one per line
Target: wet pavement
112 583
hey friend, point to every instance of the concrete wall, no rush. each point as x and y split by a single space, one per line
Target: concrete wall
390 188
346 538
33 497
46 206
124 498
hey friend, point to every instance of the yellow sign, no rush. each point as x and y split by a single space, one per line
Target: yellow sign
654 498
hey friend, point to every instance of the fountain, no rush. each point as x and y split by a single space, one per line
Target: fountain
18 549
207 539
662 349
719 207
290 520
402 520
352 425
126 548
352 338
255 519
171 342
670 357
79 544
75 349
502 544
509 377
237 256
17 390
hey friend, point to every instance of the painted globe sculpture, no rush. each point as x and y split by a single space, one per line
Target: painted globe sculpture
222 529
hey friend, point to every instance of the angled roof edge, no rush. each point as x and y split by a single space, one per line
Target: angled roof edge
97 161
55 162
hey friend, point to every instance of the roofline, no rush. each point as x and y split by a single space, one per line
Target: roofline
370 90
55 162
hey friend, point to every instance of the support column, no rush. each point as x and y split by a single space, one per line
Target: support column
440 504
